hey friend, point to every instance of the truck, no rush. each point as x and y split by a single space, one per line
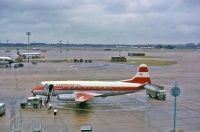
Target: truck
2 109
155 91
32 102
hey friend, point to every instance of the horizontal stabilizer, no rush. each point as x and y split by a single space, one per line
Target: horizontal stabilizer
83 96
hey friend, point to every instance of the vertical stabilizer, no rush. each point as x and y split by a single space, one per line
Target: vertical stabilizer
142 75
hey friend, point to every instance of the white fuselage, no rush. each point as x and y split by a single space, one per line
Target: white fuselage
100 88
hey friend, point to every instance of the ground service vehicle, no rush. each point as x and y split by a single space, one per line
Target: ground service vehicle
32 102
17 65
2 109
34 62
155 91
86 128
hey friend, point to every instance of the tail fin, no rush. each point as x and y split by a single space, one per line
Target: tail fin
142 75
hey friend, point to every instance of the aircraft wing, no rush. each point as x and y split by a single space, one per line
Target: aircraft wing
84 96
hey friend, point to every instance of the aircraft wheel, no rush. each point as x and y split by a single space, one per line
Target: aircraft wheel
157 96
82 104
35 106
22 106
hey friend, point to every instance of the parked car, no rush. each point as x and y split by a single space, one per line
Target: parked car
17 65
34 62
2 109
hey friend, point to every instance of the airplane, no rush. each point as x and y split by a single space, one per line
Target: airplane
5 61
31 55
83 91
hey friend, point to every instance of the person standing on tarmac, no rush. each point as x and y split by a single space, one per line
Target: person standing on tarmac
50 106
55 111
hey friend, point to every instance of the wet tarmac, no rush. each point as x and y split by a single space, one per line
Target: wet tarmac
113 114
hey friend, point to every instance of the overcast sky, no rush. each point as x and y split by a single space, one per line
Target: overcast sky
100 21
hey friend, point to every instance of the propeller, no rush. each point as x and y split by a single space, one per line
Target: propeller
50 89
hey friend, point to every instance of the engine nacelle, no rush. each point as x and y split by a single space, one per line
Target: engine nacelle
66 97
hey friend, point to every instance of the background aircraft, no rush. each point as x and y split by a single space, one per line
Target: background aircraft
31 55
5 61
83 91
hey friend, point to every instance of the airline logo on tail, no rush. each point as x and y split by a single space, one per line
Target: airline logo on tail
142 75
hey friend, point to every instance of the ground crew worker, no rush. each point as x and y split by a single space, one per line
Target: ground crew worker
55 111
50 106
43 103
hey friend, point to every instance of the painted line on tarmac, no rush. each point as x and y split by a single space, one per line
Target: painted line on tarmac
139 108
74 67
9 121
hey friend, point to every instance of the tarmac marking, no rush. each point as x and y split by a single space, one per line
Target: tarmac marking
74 67
139 108
9 121
65 125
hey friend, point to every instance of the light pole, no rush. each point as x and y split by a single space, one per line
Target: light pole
28 34
60 42
146 113
175 91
